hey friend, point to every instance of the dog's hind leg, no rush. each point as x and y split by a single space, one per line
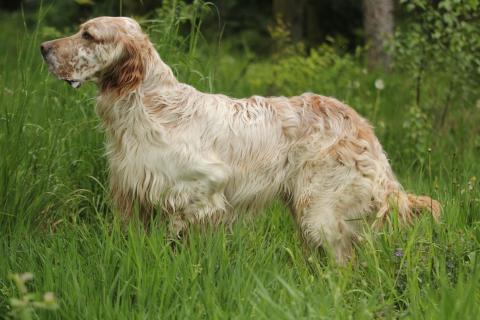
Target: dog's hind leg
322 225
329 202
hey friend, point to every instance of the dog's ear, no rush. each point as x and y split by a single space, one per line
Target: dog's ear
128 72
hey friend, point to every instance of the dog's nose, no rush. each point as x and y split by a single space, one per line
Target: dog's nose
45 49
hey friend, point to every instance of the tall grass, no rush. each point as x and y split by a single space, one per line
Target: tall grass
56 221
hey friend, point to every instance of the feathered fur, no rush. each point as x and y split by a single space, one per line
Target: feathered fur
209 157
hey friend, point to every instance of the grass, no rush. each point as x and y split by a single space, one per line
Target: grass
56 220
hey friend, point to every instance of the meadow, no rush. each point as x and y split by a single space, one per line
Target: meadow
56 220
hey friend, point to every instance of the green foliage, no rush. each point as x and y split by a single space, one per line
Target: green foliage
168 23
322 70
416 144
438 47
440 41
282 43
24 306
174 29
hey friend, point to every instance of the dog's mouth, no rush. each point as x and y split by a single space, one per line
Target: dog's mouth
52 65
74 83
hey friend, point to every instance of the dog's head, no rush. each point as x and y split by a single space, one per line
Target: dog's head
108 50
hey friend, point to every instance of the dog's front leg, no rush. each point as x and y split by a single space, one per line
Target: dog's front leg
126 205
123 203
198 195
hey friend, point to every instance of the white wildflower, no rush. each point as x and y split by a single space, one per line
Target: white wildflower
49 297
379 84
27 276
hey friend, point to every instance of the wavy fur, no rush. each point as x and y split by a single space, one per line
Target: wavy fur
209 157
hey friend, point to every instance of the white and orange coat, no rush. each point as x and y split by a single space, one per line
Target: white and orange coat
209 157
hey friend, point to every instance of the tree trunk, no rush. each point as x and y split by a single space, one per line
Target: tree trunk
378 24
291 12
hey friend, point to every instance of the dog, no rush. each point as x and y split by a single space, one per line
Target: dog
204 157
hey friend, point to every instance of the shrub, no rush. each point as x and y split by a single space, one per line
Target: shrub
440 44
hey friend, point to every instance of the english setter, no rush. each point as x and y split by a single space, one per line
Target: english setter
204 157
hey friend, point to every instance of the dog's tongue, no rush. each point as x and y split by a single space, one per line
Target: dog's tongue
75 84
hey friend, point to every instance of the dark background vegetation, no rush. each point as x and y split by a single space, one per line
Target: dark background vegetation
314 21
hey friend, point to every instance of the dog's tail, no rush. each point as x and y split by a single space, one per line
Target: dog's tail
408 206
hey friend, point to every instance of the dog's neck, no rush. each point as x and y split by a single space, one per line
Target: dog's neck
157 74
154 74
116 110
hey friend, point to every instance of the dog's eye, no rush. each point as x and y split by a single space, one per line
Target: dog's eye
87 36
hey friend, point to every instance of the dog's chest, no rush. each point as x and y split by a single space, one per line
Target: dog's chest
136 156
140 158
